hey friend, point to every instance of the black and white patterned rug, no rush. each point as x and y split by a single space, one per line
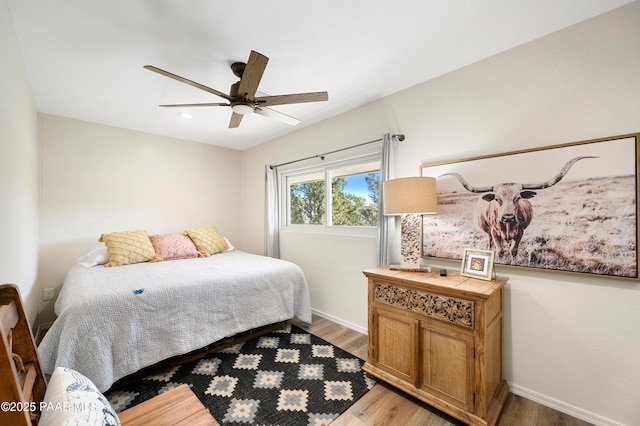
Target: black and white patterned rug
287 377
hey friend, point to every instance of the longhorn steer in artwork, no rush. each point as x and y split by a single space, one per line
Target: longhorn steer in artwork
504 211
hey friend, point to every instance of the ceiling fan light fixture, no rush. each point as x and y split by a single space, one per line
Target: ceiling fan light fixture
242 94
242 108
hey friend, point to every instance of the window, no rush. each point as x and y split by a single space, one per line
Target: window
341 195
307 204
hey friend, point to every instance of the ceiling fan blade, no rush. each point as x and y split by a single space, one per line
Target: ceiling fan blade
235 120
195 105
187 81
293 98
256 64
270 113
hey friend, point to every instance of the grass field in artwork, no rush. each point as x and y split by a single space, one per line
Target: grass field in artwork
586 225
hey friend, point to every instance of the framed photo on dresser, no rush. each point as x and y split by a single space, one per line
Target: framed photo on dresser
477 264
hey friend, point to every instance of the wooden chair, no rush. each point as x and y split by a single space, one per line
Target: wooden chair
23 386
23 383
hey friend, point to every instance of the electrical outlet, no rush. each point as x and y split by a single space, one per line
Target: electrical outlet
47 294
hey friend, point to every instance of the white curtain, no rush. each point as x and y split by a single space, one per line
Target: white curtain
385 223
272 214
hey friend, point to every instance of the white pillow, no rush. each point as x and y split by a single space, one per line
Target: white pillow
95 257
72 399
231 247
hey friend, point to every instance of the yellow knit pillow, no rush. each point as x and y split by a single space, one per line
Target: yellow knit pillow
128 247
208 240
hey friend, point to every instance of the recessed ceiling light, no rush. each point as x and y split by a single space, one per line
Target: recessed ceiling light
185 115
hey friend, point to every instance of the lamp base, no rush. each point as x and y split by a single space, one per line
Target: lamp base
410 240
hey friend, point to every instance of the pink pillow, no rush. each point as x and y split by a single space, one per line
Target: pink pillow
174 246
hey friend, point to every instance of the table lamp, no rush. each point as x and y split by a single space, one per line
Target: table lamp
410 197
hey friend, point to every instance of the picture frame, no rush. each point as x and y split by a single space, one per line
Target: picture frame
580 213
477 264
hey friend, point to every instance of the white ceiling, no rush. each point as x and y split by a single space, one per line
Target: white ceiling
84 58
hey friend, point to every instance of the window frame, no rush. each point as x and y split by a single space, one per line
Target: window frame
326 169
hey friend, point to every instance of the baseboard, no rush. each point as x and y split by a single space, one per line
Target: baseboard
340 321
563 407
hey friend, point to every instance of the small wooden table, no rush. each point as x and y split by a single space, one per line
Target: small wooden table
179 406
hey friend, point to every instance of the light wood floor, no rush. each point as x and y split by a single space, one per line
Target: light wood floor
384 405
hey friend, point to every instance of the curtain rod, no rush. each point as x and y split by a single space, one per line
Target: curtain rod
400 138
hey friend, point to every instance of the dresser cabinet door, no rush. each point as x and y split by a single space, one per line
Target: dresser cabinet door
395 344
446 365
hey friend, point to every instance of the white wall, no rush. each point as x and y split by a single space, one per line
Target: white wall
98 179
18 171
571 341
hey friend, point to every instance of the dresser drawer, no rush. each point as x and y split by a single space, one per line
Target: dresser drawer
452 310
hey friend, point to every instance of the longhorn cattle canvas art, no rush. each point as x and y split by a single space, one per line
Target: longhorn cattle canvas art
570 207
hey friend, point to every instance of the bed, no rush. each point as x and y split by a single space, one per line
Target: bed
114 321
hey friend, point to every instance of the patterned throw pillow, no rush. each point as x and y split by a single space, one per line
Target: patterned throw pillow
207 240
129 247
174 246
73 399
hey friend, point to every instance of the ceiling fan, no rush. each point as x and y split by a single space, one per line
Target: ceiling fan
242 97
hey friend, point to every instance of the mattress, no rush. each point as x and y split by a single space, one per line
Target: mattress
114 321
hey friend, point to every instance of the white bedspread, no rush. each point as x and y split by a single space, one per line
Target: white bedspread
114 321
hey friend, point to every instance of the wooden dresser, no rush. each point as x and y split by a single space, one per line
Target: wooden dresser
439 339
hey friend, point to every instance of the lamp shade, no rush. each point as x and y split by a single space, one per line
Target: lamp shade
409 195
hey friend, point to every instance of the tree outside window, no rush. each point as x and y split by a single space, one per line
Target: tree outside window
307 203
